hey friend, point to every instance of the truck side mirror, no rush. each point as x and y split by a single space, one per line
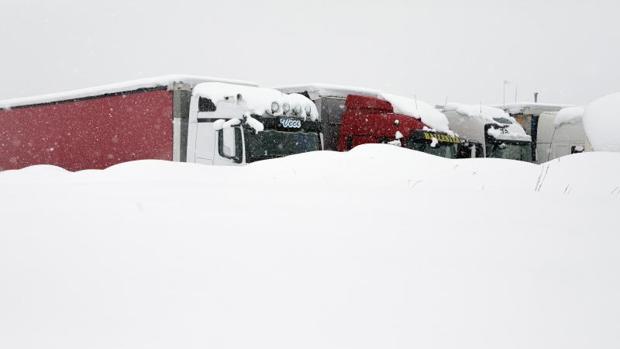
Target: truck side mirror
229 143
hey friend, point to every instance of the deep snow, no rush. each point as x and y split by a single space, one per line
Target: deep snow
570 115
601 120
381 247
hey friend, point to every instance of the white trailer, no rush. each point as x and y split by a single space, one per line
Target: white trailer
561 133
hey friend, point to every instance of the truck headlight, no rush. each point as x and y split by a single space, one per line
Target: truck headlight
286 108
275 107
308 110
297 110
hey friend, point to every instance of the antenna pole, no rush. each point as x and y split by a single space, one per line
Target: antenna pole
516 93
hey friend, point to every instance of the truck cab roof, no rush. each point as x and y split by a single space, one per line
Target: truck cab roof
464 118
258 100
318 90
531 108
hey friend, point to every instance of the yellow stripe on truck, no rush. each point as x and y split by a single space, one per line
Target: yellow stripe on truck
441 137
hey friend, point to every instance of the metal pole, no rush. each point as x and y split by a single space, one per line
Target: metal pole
516 93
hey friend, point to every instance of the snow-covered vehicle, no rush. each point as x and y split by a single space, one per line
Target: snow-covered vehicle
330 101
561 133
489 132
528 115
351 116
180 118
373 120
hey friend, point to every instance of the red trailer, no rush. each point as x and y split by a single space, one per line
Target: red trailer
88 133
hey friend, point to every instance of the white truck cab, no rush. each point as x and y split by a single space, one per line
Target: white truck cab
529 115
233 124
490 131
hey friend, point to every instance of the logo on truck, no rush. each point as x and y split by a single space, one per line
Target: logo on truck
290 123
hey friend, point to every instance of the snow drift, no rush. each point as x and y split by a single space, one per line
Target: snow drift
378 247
570 115
602 121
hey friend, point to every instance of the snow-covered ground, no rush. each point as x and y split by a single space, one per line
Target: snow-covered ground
380 247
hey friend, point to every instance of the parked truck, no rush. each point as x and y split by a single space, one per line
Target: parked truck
179 118
351 116
528 115
489 131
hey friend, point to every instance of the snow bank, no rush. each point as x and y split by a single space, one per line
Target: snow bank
571 115
602 123
128 86
380 246
258 100
492 115
420 110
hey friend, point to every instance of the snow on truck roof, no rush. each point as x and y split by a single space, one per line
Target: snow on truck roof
601 122
490 115
425 112
128 86
429 115
329 90
532 108
259 100
571 115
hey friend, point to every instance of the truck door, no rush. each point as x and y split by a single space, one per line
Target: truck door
205 143
229 146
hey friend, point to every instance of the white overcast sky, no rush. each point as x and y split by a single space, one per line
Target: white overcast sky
460 50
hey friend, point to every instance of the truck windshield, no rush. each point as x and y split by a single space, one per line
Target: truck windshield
271 144
446 150
510 150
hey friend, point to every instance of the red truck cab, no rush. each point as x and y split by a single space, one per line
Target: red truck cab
372 120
